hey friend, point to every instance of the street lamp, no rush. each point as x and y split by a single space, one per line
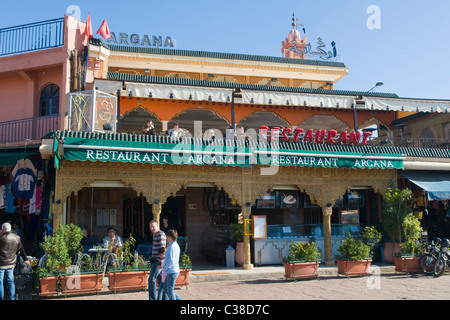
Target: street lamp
355 118
378 84
236 93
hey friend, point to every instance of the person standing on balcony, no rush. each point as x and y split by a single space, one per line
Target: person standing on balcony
149 128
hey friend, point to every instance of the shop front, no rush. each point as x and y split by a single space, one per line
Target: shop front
293 216
305 194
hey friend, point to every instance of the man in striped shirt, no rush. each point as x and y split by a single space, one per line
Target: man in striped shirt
159 240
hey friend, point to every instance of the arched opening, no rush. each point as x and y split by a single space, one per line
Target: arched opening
203 213
135 120
293 215
98 208
259 118
427 139
209 120
49 100
326 122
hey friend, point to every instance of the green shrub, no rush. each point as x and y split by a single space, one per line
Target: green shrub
302 252
353 249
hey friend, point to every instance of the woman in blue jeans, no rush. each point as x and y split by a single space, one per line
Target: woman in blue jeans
170 266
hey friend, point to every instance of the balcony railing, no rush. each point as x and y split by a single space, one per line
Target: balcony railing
31 37
31 128
412 142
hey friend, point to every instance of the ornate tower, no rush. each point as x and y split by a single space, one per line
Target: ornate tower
294 46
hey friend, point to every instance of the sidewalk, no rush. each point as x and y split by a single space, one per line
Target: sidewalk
218 273
210 274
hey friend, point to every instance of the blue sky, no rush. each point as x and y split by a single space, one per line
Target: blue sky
409 52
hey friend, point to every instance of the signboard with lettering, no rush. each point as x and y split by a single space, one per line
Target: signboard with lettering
219 155
141 40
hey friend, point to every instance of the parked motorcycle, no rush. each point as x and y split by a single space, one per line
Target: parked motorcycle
428 260
442 260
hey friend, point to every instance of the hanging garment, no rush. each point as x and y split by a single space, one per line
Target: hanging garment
2 197
24 179
9 199
35 202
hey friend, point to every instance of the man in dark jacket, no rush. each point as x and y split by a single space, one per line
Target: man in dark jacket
10 245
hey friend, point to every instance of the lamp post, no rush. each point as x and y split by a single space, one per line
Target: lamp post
355 119
236 93
118 110
378 84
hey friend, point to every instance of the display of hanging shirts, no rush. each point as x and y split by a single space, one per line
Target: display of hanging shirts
24 179
9 199
2 197
35 202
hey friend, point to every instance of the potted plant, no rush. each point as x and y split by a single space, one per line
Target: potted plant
356 254
63 271
397 204
411 250
58 259
237 234
185 268
85 276
130 271
302 262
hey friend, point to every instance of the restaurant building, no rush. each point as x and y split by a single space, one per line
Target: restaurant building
267 138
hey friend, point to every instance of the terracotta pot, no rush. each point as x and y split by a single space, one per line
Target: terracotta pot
240 253
128 280
301 270
90 282
183 277
353 268
391 248
407 264
48 286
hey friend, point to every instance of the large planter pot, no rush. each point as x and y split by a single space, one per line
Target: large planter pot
82 283
48 286
301 270
183 277
407 264
391 248
353 268
127 280
240 253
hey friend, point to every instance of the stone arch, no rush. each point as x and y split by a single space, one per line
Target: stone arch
259 118
327 122
210 119
135 119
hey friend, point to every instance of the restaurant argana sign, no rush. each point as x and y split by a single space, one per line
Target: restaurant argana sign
78 149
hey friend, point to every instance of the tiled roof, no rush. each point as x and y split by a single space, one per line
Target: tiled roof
219 84
296 146
215 55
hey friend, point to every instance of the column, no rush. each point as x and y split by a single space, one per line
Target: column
164 125
326 214
246 211
57 211
156 210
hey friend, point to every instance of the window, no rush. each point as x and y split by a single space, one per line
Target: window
427 139
49 101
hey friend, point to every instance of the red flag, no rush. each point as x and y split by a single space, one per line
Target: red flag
88 30
104 30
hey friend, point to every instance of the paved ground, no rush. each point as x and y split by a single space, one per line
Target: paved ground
268 283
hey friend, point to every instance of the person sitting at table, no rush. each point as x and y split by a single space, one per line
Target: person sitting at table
89 239
112 240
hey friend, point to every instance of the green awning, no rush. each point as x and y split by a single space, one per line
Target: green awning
11 158
224 153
